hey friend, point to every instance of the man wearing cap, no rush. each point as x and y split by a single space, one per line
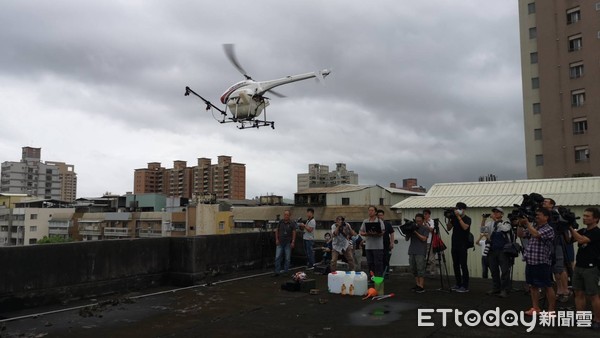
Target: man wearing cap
460 224
500 233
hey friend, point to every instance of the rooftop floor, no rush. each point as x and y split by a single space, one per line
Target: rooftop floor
255 306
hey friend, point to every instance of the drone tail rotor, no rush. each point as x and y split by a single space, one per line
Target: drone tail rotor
322 74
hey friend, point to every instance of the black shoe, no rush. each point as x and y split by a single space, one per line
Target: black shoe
503 294
419 290
414 288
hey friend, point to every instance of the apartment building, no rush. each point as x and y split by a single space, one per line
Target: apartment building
560 48
33 177
224 179
68 180
319 176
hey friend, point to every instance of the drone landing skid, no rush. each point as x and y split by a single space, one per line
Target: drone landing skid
255 124
243 123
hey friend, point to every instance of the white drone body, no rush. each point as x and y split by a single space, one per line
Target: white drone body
246 99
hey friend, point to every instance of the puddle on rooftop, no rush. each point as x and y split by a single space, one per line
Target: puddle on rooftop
380 313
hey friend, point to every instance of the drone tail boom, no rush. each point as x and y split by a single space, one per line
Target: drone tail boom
268 85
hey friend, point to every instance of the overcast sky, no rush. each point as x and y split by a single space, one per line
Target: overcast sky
424 89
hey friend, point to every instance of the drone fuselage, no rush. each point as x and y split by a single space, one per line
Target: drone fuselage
245 99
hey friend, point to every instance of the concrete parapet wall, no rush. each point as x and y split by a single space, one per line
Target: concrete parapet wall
41 274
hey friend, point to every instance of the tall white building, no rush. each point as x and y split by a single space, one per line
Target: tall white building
33 177
319 176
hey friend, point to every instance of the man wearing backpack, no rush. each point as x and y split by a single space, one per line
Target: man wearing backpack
500 234
587 265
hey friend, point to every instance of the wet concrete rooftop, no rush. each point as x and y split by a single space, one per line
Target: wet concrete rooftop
253 305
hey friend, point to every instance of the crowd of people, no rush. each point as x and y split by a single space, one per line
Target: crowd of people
545 244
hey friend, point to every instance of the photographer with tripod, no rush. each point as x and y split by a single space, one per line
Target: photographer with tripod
500 234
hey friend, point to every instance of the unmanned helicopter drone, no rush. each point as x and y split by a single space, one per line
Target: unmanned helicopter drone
245 100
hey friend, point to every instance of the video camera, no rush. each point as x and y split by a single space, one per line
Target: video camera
531 202
562 217
449 213
408 227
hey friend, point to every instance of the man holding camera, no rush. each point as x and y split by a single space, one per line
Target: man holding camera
587 264
341 244
309 237
417 251
460 223
538 260
499 233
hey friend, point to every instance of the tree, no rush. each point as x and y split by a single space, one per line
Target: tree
54 239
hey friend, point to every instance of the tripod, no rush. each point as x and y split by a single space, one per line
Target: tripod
439 247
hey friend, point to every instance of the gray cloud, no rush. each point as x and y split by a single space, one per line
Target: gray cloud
427 90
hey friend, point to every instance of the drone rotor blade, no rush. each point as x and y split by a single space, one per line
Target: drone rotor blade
229 49
276 93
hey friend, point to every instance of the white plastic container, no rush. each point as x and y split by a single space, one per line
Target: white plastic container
360 283
347 283
335 280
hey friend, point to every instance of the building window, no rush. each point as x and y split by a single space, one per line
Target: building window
33 228
576 70
533 57
575 43
381 201
580 126
582 154
532 32
537 134
32 240
537 108
345 201
535 83
531 8
33 216
573 15
221 225
577 98
539 160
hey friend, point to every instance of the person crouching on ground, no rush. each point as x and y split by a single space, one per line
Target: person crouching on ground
341 245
